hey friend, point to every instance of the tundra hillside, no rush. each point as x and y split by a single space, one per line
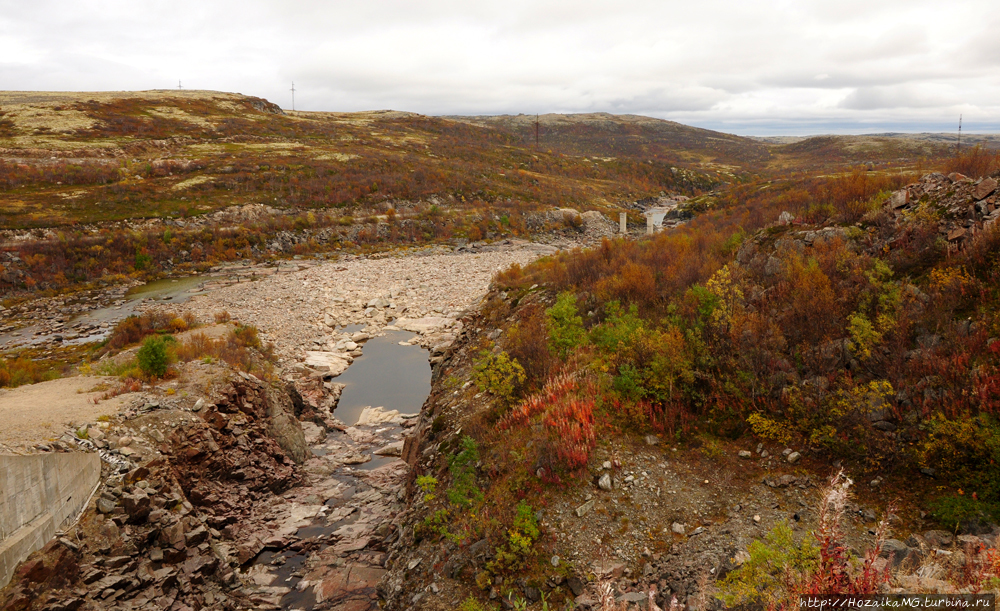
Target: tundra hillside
663 414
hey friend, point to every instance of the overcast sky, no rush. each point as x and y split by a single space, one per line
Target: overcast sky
758 68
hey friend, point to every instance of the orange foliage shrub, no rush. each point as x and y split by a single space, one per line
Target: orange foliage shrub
974 162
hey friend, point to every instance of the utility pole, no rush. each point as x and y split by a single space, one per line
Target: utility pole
536 131
179 85
959 150
293 95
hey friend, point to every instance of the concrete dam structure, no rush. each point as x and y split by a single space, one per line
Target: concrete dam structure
40 494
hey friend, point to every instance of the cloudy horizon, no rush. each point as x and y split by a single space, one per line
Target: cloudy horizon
796 68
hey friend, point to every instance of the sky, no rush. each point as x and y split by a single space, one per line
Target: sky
750 68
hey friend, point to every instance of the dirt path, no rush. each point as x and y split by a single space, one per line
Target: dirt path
36 413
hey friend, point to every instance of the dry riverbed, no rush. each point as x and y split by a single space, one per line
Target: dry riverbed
190 462
306 311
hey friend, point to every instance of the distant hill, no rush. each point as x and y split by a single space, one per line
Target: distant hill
629 136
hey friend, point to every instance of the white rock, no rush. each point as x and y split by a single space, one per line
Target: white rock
423 325
393 449
333 362
376 415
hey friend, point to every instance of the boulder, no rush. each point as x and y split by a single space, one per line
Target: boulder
423 325
896 549
327 362
939 538
371 416
393 449
137 505
985 188
899 199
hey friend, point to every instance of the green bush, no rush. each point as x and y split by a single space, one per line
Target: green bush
463 491
966 451
565 326
471 604
763 580
499 375
954 511
154 357
521 538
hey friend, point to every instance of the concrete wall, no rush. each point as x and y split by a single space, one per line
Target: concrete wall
40 494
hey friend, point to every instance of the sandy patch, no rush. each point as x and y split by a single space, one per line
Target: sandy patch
34 413
191 182
335 157
172 112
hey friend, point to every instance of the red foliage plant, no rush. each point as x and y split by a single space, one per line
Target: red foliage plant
568 419
834 574
573 424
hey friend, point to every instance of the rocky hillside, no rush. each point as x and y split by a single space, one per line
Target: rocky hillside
187 499
600 424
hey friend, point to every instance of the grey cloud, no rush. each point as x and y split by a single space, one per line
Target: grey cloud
801 65
873 98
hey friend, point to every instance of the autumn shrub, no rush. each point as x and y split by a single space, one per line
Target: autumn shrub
566 413
963 512
767 578
240 348
499 375
967 451
135 328
522 535
779 570
572 423
974 162
644 362
18 371
555 390
526 341
834 572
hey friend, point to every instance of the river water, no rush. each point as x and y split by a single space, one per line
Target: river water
387 375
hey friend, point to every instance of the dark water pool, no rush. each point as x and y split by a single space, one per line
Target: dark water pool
387 375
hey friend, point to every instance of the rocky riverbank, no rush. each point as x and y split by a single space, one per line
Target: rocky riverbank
224 491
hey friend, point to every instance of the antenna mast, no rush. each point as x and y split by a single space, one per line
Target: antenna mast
293 95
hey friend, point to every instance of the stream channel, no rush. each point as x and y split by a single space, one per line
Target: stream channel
99 321
357 489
